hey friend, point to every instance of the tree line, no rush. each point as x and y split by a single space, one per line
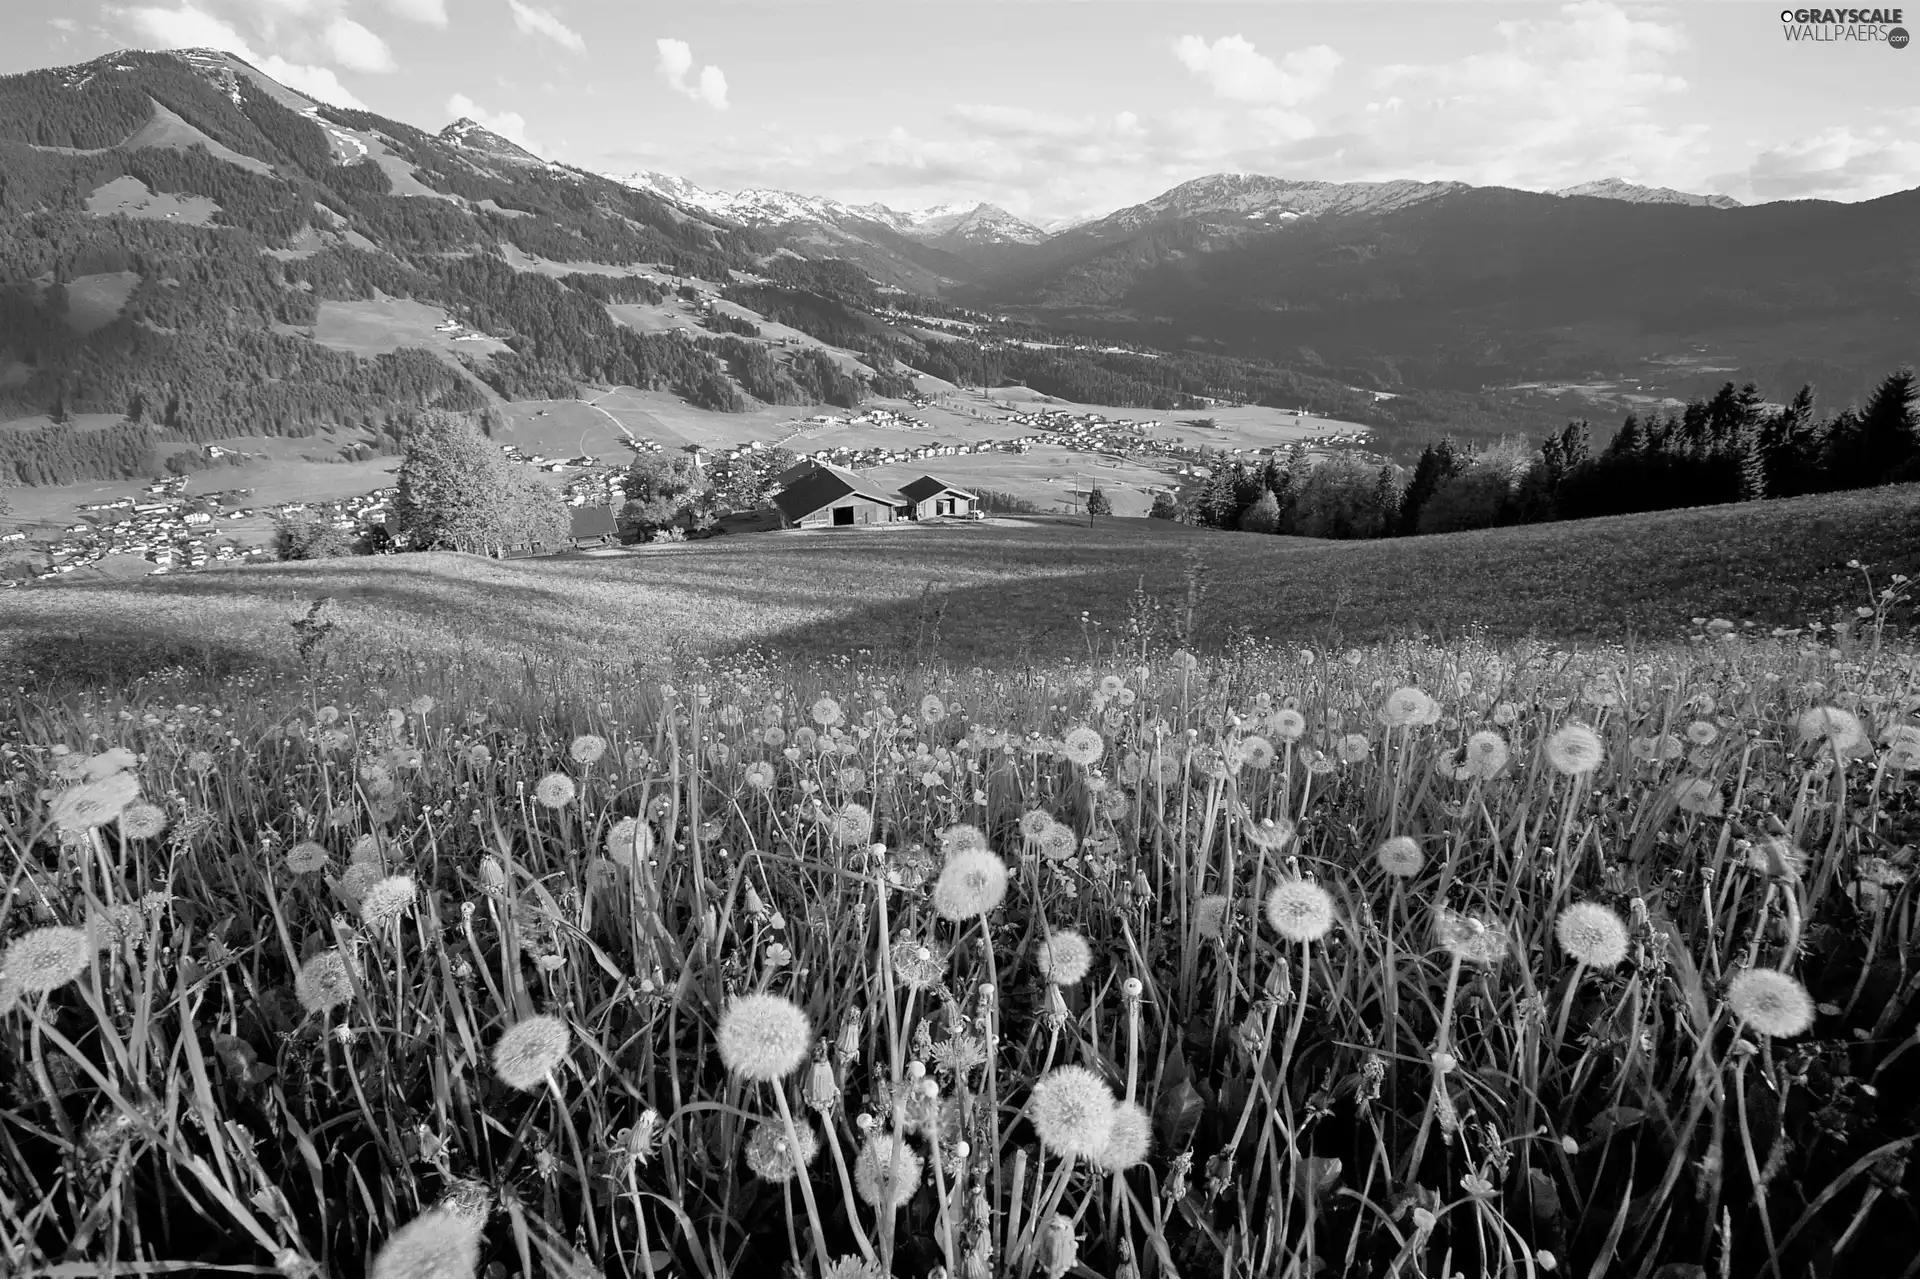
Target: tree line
1731 447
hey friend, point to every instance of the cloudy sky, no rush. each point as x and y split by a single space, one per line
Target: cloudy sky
1058 109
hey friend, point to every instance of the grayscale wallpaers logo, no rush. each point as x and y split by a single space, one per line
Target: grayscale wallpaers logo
1832 26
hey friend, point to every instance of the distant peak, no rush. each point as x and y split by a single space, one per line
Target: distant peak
1635 193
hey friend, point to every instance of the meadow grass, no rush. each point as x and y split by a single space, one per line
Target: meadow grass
1411 959
1010 591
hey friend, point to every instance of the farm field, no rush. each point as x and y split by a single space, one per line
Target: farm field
380 325
687 966
130 197
1009 589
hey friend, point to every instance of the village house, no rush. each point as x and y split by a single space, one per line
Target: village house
593 526
933 498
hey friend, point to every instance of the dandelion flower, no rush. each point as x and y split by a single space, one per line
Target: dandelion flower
1058 842
141 820
1830 723
932 709
1400 857
1130 1141
886 1174
79 809
629 842
1083 746
973 882
1300 911
587 749
1034 823
759 775
1575 750
116 759
1257 751
1354 747
1592 934
764 1037
1405 708
1210 915
529 1051
772 1156
850 825
478 757
1072 1111
387 900
827 712
1701 733
438 1244
1485 754
324 982
1469 939
555 790
918 965
1771 1002
959 837
1064 957
1698 795
46 959
1287 724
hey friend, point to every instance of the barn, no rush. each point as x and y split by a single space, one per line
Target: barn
828 497
932 497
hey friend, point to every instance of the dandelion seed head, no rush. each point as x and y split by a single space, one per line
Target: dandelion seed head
1300 911
1072 1111
886 1174
387 900
1064 957
529 1050
438 1244
1575 750
1592 934
79 809
324 982
1210 915
973 882
1400 857
141 820
1485 754
555 790
1771 1002
45 959
587 749
771 1156
1130 1141
1083 746
764 1037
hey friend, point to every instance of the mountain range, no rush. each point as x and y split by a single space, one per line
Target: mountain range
173 226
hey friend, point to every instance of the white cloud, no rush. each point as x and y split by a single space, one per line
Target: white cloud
356 48
510 125
531 21
186 28
189 28
431 12
318 83
1241 73
676 60
67 25
1844 162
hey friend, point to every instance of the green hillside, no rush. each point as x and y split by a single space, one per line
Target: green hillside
1005 591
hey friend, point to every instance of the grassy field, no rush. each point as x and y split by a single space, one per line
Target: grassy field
129 197
1011 590
94 301
1403 960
